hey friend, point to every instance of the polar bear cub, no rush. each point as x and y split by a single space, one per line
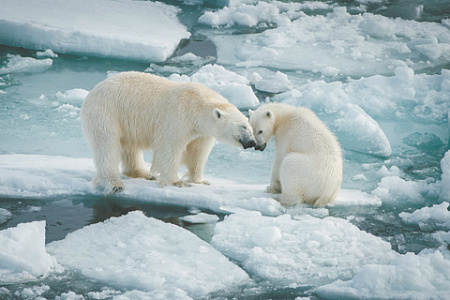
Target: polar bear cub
308 161
134 111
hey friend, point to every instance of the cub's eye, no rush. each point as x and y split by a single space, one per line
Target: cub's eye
260 132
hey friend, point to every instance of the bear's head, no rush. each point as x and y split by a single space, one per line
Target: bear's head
232 127
262 121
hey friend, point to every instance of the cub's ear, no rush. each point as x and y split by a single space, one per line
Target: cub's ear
250 112
269 114
218 113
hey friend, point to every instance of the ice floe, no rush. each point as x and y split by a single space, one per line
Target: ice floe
429 218
138 252
409 276
140 30
234 87
46 176
19 64
23 256
298 251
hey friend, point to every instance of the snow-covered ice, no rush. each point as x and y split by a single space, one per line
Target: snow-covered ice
140 30
355 45
232 86
375 71
19 64
143 253
298 251
435 217
23 256
409 276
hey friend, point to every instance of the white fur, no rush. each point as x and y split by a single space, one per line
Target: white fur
133 111
308 162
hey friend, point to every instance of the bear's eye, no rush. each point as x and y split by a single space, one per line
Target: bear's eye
260 132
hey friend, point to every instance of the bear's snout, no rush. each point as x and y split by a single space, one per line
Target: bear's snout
260 147
250 143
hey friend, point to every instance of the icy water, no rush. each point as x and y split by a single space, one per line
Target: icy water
376 72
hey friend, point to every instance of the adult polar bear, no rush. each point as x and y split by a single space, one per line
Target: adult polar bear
308 160
133 111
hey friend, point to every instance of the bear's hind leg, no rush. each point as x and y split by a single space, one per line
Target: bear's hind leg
107 160
195 157
133 163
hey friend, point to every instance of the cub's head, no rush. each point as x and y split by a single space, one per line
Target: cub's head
232 127
262 121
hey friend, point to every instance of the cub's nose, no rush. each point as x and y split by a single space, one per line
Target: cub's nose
248 144
260 147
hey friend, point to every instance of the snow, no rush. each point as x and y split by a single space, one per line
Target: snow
232 86
355 45
73 96
139 30
429 218
19 64
409 276
23 256
143 253
298 251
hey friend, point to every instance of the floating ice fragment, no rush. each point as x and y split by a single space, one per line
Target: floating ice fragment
19 64
360 132
200 218
5 215
232 86
46 53
431 218
159 257
73 96
23 256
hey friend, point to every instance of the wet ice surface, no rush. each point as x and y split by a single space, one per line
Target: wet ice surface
376 72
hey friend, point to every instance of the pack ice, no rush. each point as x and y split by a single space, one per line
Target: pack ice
139 30
142 253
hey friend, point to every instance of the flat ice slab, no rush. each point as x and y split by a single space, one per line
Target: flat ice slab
143 253
43 176
138 30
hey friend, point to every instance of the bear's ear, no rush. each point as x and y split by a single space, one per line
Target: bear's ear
218 113
269 114
250 112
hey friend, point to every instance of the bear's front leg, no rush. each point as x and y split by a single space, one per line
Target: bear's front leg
167 160
195 157
275 184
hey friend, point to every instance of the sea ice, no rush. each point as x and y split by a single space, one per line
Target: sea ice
409 276
19 64
139 30
23 256
143 253
269 13
354 45
5 215
200 218
232 86
44 176
429 218
300 251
